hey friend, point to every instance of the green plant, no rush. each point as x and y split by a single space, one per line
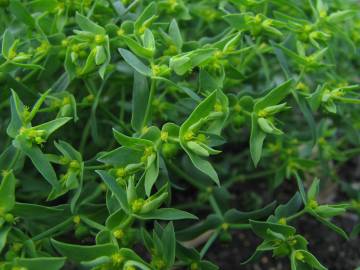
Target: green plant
112 111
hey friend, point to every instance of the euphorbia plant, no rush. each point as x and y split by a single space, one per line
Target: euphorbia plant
128 130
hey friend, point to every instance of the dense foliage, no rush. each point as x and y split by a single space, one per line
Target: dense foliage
126 125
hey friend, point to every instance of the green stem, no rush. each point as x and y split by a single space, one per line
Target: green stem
51 231
96 167
208 244
215 206
184 175
298 214
245 177
240 226
15 159
149 104
92 223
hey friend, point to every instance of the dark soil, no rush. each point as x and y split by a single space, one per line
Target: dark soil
330 249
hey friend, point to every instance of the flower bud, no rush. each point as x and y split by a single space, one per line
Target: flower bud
197 149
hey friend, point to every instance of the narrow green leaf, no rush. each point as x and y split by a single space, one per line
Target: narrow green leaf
135 63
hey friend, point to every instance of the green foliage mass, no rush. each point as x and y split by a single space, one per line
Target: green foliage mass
127 124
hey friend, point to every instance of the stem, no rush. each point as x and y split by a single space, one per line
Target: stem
96 167
92 223
240 226
184 175
52 230
4 64
149 104
215 205
208 244
245 177
127 221
15 159
292 217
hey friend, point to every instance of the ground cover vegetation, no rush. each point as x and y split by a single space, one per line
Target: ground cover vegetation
137 134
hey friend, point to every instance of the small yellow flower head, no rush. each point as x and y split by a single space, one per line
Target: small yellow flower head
322 13
155 69
189 136
120 172
99 39
65 42
137 205
120 32
12 54
118 233
66 100
74 165
75 48
237 108
17 247
76 219
225 226
9 218
313 204
218 107
194 266
258 19
117 259
164 135
282 221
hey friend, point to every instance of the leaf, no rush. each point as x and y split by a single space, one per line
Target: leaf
274 97
330 225
257 138
121 156
17 108
147 13
80 253
131 142
100 56
175 34
151 175
51 126
169 241
4 231
237 21
50 263
39 160
118 191
34 211
290 208
211 222
21 13
140 99
234 216
137 48
308 258
313 190
87 25
202 110
261 229
7 192
7 42
204 166
167 214
135 63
